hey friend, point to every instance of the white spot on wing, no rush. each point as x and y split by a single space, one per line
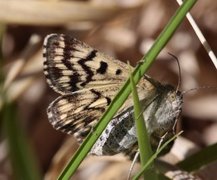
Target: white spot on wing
64 79
129 139
58 58
97 148
58 51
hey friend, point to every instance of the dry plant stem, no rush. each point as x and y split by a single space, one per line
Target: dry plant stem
16 89
201 36
13 89
19 64
57 12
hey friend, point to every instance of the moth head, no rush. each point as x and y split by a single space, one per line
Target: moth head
164 110
173 99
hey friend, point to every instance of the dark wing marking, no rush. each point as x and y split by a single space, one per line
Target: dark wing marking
78 112
70 65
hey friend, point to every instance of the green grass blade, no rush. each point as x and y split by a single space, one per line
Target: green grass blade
21 157
126 89
154 156
199 159
23 162
142 134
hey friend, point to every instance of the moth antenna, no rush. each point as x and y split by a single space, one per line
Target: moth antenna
180 75
197 88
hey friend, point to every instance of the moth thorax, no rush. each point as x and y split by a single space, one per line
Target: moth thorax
164 109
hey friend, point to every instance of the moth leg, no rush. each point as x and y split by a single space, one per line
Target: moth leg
175 123
135 159
162 138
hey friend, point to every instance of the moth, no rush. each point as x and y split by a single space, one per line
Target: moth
87 81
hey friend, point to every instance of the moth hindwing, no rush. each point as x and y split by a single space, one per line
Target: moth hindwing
88 80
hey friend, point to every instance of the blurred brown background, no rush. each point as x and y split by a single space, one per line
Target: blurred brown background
124 29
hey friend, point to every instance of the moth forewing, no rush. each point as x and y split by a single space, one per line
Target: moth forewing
88 80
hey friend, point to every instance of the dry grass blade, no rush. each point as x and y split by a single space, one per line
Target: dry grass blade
56 13
201 37
19 64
